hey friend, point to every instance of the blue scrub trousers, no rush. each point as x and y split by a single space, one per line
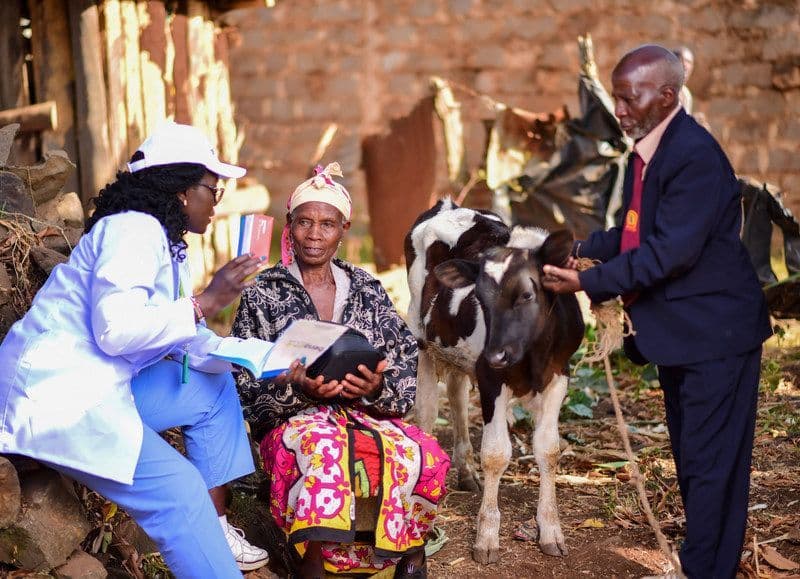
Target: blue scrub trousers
711 415
169 495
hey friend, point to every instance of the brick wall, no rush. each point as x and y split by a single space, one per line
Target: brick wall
306 63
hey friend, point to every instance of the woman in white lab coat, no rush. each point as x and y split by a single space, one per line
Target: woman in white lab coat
114 350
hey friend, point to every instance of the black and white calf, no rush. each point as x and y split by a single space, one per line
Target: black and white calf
481 315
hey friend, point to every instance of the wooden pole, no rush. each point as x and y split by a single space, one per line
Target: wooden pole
229 142
153 61
200 88
115 81
54 78
201 82
180 69
38 117
169 67
133 75
12 57
90 95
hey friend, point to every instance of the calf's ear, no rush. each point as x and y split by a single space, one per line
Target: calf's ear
457 273
556 248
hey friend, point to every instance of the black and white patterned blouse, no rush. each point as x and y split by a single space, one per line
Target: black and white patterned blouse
277 298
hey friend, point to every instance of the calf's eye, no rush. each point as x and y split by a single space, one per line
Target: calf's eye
525 297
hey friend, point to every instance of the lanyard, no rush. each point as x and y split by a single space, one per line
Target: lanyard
185 367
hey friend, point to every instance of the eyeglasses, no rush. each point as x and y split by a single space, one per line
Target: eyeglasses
217 192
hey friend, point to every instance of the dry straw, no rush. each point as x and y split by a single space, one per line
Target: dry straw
15 256
613 324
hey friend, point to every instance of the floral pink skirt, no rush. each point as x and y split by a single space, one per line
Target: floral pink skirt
322 459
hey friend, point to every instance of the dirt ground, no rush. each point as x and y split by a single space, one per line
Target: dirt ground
605 532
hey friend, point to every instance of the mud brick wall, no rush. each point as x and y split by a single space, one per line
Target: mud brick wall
304 64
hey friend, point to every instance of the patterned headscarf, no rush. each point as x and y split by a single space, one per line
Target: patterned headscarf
321 187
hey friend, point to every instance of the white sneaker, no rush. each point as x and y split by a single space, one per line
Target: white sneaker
247 556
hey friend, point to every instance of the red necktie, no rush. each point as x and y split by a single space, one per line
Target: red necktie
630 229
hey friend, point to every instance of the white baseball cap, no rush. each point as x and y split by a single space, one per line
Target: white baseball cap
174 143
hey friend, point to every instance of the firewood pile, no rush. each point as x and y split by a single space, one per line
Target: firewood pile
40 223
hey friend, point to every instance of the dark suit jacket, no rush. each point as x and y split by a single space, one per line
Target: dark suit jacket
699 298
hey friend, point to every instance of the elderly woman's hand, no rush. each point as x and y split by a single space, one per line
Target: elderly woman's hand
311 387
365 385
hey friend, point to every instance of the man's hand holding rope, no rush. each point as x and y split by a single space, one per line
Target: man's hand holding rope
562 280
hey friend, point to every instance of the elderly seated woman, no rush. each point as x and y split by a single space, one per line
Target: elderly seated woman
326 444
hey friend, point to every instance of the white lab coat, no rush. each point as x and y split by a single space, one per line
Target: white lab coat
66 367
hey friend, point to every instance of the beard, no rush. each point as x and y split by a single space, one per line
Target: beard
642 128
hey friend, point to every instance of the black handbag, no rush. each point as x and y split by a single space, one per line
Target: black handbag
344 356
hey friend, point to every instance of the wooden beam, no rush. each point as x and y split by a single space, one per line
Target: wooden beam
32 118
90 96
54 78
220 6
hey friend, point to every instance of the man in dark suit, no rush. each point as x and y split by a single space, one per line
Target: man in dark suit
693 298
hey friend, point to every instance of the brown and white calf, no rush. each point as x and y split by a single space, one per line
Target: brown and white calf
481 315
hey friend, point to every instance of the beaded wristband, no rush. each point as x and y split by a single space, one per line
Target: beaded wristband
198 311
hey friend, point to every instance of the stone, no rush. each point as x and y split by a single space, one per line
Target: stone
765 103
46 258
14 196
8 315
786 73
791 130
263 573
6 287
423 10
774 17
709 19
781 46
10 492
402 35
560 57
7 135
784 160
752 74
748 131
130 531
81 565
64 241
725 107
488 57
50 526
65 208
569 6
394 61
536 28
46 179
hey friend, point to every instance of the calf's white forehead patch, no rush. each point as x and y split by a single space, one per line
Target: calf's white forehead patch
497 269
527 237
458 296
